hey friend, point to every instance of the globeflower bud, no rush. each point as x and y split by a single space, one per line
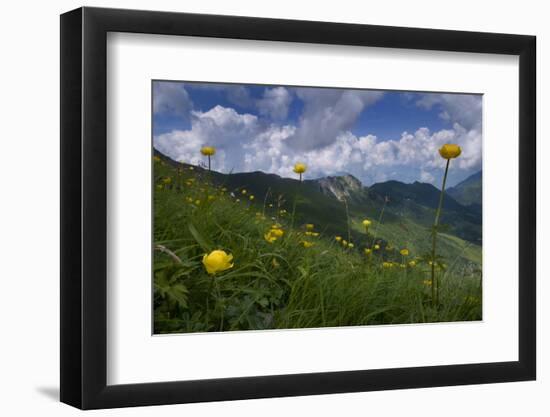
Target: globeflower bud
217 261
450 151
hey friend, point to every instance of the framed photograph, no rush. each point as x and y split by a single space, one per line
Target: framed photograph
257 208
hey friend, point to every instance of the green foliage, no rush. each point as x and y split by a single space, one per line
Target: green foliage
284 284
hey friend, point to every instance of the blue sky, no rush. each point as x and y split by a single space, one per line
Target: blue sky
372 134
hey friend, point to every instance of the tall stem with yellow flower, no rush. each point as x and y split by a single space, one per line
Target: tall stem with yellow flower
448 152
404 253
208 151
299 168
366 223
215 262
386 199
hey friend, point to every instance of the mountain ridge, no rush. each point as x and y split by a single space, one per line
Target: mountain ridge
409 207
469 192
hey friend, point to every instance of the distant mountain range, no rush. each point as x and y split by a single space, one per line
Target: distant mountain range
408 216
469 192
417 201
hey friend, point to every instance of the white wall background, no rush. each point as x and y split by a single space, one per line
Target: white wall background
29 226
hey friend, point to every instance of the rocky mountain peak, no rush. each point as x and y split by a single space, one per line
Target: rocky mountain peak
343 186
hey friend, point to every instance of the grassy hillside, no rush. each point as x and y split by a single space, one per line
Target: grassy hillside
406 233
407 220
304 278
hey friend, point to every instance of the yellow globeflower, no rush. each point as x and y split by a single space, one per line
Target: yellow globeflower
307 244
300 168
208 150
367 223
387 264
273 234
315 234
243 192
350 245
344 242
310 226
376 247
368 251
412 264
450 151
251 198
404 252
269 237
338 238
427 282
156 158
167 180
217 261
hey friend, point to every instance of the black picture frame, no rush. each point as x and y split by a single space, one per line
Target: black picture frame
84 207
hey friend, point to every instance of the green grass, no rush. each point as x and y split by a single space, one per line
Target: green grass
411 235
283 284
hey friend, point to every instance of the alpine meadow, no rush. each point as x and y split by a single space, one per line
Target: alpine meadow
280 207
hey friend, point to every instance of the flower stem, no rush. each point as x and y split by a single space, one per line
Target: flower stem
210 285
219 297
296 194
347 219
435 285
379 221
265 200
208 162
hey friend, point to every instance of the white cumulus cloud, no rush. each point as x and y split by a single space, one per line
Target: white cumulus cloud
328 113
275 103
465 109
322 139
